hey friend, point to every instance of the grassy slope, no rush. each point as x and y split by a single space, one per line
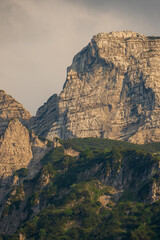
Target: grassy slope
81 144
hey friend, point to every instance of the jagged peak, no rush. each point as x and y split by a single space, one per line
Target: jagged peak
2 91
11 108
111 89
13 125
119 34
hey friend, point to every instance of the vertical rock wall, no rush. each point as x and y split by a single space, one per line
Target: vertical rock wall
111 91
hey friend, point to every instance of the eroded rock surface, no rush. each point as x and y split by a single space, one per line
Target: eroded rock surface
112 91
10 109
19 148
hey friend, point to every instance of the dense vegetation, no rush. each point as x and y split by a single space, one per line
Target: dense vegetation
101 143
81 197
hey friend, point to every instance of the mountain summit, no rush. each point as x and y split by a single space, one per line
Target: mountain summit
87 188
10 109
19 147
112 90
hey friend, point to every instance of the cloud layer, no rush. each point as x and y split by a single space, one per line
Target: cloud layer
38 39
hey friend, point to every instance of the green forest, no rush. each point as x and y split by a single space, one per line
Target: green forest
110 191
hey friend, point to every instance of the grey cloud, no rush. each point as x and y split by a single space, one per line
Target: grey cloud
147 9
140 5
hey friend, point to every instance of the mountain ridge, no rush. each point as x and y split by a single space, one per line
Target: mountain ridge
111 91
80 184
73 196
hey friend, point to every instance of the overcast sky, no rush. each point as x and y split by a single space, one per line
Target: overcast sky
38 39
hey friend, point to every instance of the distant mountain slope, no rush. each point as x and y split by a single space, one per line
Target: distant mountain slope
112 91
10 109
20 148
18 145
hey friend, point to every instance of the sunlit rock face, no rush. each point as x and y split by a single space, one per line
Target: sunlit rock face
10 109
20 148
112 90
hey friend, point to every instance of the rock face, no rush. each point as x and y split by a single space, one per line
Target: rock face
20 154
10 109
15 148
45 117
19 149
112 91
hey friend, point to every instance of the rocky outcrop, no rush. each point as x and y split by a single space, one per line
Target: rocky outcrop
10 109
15 148
112 91
20 148
71 152
20 154
20 157
46 116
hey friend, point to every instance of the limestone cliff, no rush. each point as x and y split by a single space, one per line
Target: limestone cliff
9 109
19 148
112 91
46 116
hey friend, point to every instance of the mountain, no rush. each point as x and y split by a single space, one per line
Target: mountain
18 145
86 189
80 184
10 109
112 91
20 148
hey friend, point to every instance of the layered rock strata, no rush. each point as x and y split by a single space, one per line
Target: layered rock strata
10 109
112 90
46 116
20 148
